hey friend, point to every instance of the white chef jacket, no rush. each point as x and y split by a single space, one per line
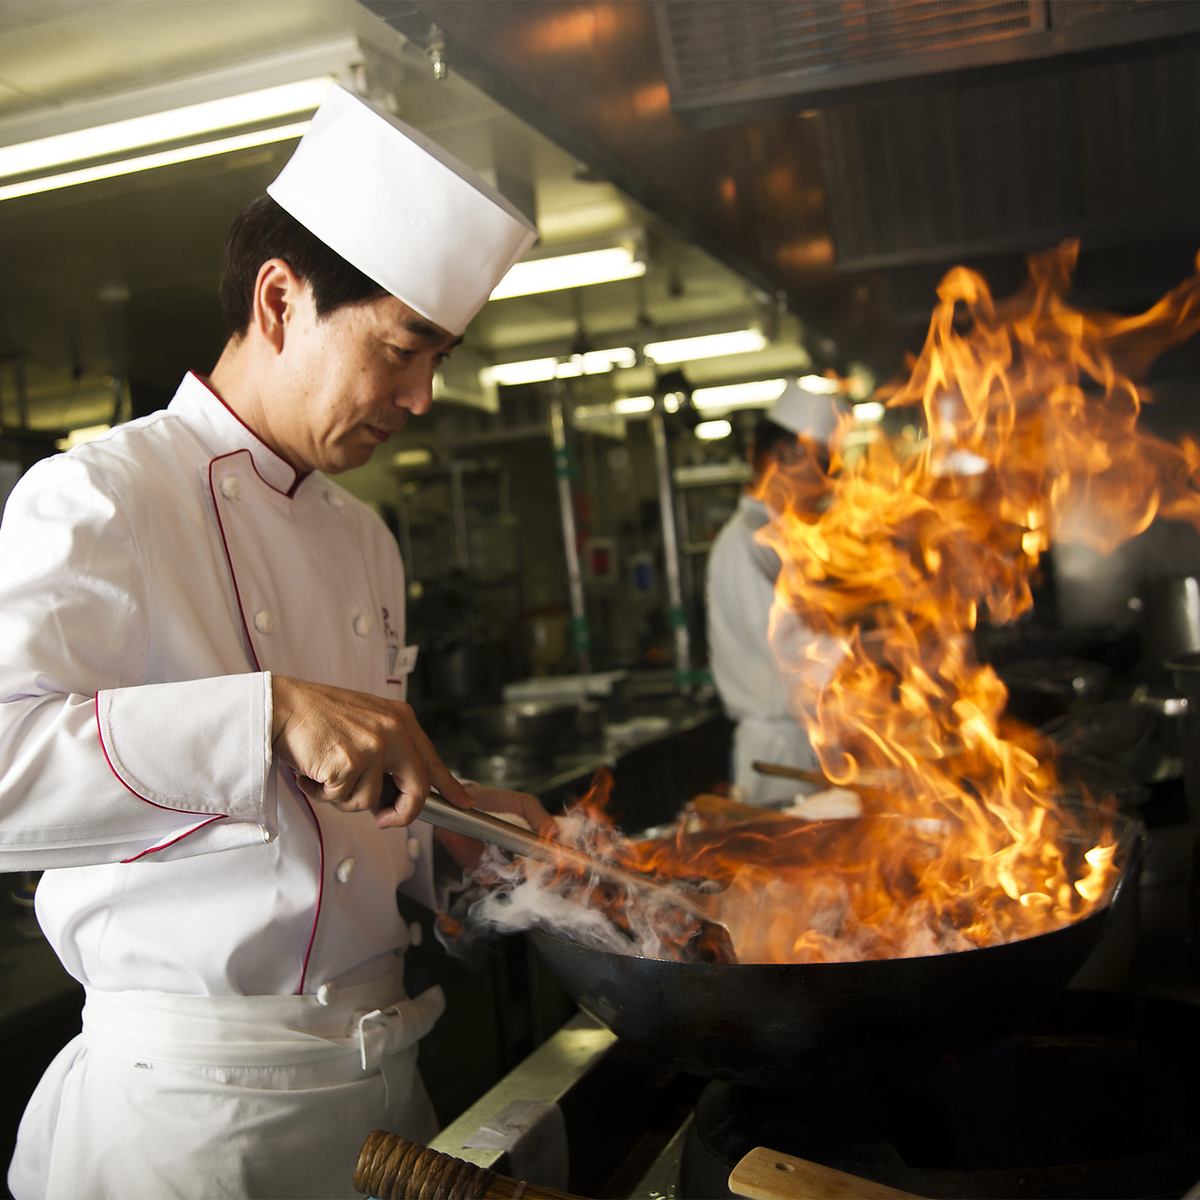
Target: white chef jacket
149 583
755 689
149 580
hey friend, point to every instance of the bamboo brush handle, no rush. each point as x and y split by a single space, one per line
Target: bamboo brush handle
391 1167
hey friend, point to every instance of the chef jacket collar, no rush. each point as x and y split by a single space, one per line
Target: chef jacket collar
223 431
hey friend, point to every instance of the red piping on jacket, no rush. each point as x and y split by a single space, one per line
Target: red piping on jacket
299 477
165 845
165 807
312 936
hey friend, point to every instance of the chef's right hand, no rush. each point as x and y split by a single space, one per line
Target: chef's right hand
342 743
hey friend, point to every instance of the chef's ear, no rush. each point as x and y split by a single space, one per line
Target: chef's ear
277 290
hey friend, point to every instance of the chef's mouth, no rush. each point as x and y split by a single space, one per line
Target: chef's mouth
380 435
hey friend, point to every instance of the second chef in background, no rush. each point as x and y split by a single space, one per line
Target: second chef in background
755 688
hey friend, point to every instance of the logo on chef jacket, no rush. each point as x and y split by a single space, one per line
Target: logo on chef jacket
392 638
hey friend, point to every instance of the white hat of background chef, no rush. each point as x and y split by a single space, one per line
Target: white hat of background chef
805 413
422 225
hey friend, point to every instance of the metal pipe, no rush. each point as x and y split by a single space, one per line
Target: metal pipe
676 613
458 507
564 470
22 391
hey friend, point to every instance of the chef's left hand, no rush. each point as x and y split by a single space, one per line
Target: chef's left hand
504 803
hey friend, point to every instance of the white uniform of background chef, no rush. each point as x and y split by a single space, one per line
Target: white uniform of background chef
740 584
202 673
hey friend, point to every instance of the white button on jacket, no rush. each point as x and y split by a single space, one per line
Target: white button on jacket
136 726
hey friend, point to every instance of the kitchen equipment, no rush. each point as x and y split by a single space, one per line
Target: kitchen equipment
965 1122
763 1024
528 724
1168 620
1044 688
1185 670
391 1165
483 827
1125 732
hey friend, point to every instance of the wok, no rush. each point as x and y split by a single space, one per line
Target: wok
762 1024
528 724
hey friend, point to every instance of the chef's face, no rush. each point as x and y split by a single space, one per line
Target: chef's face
353 378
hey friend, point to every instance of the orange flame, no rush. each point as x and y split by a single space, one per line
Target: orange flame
1031 413
963 841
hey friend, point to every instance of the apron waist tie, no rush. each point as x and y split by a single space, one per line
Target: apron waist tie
365 1021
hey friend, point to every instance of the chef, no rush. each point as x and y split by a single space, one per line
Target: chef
202 677
756 689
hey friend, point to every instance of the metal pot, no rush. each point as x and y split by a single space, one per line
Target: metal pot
529 725
762 1024
1185 670
1044 688
1169 622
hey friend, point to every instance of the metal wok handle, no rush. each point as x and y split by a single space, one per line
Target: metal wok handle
1165 706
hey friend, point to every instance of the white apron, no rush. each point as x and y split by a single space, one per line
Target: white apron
233 1089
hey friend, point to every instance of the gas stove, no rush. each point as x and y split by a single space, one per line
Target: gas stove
1093 1096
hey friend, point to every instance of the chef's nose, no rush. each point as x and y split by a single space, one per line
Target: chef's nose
418 396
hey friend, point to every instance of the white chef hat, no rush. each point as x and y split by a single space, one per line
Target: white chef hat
421 224
808 414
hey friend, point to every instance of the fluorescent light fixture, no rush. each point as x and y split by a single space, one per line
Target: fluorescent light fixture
417 457
711 431
869 411
146 162
77 437
738 395
252 103
569 271
595 362
540 370
178 124
820 385
712 345
628 405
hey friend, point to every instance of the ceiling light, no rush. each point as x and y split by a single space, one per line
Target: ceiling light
869 411
710 431
759 392
418 456
712 345
154 129
626 405
145 162
820 384
249 104
569 271
540 370
77 437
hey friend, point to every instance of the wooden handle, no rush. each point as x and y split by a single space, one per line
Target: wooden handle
786 772
721 808
393 1167
770 1175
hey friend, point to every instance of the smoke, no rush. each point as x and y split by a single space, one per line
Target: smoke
504 895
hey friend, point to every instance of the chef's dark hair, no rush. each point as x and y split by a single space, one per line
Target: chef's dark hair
263 230
768 435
